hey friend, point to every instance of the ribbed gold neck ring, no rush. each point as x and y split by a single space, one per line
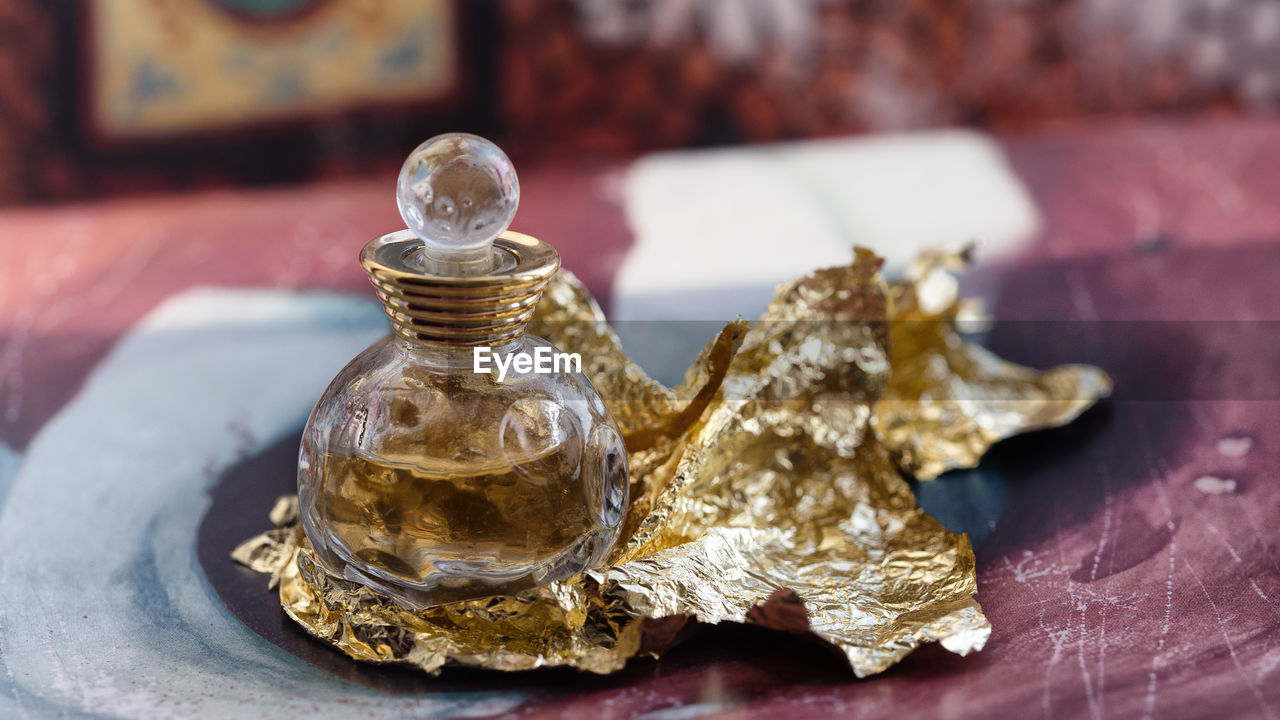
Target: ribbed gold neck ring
489 309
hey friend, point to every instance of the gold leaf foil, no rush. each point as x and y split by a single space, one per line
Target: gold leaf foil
761 493
949 400
272 551
645 409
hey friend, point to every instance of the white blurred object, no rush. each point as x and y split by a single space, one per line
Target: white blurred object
717 230
737 31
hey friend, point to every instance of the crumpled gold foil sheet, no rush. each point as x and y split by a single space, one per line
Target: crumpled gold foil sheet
949 400
762 492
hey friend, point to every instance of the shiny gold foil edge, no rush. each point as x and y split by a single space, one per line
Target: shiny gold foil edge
949 400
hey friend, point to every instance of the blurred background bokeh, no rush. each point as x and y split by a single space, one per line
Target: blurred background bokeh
117 96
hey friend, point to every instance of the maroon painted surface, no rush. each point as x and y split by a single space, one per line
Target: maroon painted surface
1116 584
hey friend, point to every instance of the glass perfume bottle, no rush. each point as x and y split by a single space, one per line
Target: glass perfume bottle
428 480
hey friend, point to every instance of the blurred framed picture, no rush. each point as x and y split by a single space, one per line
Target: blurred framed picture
174 91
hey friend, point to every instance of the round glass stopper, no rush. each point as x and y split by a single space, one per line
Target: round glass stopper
457 192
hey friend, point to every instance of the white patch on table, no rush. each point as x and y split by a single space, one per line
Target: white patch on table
1235 446
1213 485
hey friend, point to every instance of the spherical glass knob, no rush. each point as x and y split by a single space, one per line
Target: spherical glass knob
457 192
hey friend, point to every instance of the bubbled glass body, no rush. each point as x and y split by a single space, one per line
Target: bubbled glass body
434 483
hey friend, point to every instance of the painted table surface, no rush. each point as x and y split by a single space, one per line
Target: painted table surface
158 355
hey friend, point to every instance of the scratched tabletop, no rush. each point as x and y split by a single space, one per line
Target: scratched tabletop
158 356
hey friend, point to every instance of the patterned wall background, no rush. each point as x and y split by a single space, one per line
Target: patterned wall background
587 76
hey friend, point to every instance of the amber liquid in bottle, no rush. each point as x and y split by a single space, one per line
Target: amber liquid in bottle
410 523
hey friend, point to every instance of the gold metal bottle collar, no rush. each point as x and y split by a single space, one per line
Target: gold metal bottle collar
488 309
